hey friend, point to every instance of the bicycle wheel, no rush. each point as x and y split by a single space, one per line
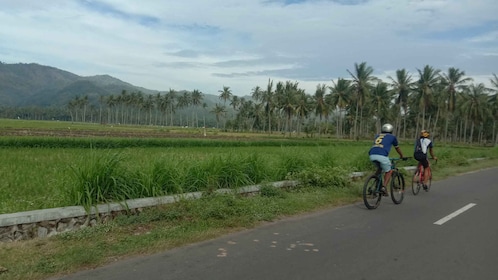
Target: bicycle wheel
371 195
416 182
397 187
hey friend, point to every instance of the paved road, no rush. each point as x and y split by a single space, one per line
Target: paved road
450 232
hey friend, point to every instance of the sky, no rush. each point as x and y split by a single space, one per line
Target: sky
240 44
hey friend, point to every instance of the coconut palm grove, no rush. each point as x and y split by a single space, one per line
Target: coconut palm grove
447 103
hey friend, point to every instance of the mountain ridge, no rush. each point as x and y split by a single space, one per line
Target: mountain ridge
32 84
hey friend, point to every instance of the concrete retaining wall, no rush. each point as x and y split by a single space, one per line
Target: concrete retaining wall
49 222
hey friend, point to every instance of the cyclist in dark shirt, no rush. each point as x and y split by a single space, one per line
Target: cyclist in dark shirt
380 152
423 145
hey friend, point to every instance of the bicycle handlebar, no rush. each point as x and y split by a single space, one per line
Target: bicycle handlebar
397 158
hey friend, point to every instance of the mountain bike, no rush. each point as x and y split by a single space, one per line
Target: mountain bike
418 179
372 190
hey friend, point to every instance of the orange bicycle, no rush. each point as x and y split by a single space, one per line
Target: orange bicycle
418 179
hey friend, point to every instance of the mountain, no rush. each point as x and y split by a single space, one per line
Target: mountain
31 84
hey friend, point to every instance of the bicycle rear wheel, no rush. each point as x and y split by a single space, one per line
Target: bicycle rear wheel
397 187
416 182
371 194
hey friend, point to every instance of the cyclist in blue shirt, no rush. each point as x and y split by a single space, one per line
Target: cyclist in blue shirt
380 152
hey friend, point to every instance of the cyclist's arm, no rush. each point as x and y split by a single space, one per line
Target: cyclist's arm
400 153
432 154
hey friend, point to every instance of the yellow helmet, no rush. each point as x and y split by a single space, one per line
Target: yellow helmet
424 133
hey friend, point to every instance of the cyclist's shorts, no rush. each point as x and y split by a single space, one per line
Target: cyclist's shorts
422 158
385 163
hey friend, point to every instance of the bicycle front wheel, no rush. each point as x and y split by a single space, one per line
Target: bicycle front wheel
371 194
416 182
397 187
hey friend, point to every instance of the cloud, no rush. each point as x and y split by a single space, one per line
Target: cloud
208 44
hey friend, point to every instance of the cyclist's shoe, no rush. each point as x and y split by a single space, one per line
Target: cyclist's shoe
425 187
384 191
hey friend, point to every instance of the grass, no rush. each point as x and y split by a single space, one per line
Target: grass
170 226
58 176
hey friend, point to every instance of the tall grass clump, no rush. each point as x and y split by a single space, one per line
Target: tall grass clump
359 161
328 158
99 179
166 177
291 162
258 169
323 177
227 172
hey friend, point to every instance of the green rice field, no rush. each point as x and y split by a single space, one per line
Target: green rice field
42 169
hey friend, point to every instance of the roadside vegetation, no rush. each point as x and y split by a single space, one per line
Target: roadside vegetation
57 172
45 171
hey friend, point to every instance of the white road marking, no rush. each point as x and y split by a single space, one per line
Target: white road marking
454 214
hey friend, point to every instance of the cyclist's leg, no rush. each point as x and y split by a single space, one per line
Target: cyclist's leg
425 164
416 174
385 164
387 177
428 174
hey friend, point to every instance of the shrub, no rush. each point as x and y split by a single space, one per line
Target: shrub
323 177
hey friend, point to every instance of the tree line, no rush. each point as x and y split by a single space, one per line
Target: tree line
449 104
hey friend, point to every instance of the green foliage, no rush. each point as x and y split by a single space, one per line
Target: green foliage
271 191
100 180
335 177
292 162
87 176
360 162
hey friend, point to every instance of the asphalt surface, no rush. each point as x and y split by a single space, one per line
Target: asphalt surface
450 232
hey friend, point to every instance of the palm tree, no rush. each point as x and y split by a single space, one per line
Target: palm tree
184 101
235 103
304 106
321 108
402 86
379 101
148 106
225 94
158 100
493 100
197 97
218 110
268 100
170 99
122 100
83 103
428 79
362 83
453 82
101 102
287 100
111 103
257 93
476 105
339 97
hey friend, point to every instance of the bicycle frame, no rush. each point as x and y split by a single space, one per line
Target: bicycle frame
380 174
421 171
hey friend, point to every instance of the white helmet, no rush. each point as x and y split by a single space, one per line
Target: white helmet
387 128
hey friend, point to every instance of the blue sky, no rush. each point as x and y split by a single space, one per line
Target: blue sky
209 44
